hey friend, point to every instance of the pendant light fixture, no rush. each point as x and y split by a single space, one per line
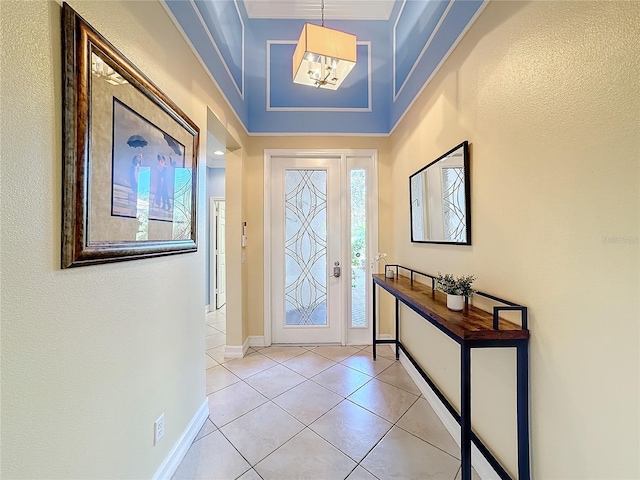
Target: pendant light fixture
324 56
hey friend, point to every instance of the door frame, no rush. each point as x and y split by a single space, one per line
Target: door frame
372 205
213 244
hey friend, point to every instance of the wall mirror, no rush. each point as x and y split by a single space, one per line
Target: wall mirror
441 201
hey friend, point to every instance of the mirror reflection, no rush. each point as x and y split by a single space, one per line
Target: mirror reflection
440 201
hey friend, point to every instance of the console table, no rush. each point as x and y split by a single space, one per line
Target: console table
470 328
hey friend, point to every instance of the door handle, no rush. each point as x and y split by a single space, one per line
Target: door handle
336 269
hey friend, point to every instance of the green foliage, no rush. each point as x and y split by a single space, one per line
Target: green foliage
456 286
358 244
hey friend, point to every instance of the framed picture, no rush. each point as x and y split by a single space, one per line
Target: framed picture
129 154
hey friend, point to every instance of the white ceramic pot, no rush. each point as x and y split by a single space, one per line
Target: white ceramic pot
455 302
388 273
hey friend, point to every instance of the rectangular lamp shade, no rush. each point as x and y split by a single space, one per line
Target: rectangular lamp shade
323 57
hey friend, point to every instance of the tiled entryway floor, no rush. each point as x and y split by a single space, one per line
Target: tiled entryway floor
317 413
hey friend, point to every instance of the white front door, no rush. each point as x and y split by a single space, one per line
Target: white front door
320 230
306 294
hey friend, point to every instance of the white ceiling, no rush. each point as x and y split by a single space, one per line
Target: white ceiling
310 9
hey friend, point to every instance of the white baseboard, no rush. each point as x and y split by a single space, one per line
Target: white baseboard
236 351
171 463
207 309
483 467
256 341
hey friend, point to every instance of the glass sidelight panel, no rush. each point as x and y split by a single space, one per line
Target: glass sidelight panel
305 247
358 188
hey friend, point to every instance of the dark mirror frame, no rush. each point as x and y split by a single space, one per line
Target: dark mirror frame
79 39
467 192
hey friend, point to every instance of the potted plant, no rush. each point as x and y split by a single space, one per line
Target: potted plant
456 289
388 273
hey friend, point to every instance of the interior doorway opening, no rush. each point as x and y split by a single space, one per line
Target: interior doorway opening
217 255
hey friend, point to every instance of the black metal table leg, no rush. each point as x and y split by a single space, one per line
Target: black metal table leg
465 410
373 326
524 470
397 329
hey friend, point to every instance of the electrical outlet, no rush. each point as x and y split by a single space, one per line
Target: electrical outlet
158 429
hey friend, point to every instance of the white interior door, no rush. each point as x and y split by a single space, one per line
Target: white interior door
221 268
306 280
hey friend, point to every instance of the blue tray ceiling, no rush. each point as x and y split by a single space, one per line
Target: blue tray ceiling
250 61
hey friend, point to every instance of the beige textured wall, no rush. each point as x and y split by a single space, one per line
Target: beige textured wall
91 356
548 95
236 277
254 178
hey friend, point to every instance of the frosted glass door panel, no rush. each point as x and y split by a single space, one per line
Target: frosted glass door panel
306 247
359 229
306 301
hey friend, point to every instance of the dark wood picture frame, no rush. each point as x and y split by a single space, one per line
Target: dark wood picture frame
81 44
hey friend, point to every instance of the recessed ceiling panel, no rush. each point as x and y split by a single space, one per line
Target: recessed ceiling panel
310 9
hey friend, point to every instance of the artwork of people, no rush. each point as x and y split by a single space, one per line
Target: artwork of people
136 144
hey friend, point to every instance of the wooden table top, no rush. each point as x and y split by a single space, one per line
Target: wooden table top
469 324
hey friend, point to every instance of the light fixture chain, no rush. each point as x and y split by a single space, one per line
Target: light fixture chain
322 8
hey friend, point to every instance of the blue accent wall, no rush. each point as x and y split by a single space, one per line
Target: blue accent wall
414 26
411 36
221 48
224 22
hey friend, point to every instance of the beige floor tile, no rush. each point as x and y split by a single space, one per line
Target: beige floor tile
352 429
210 362
363 362
308 401
218 378
361 474
215 340
210 330
220 326
397 376
474 474
213 319
217 314
305 456
249 365
383 399
423 422
206 429
342 380
275 380
217 354
211 457
402 455
335 353
261 431
386 351
250 475
309 364
229 403
282 354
